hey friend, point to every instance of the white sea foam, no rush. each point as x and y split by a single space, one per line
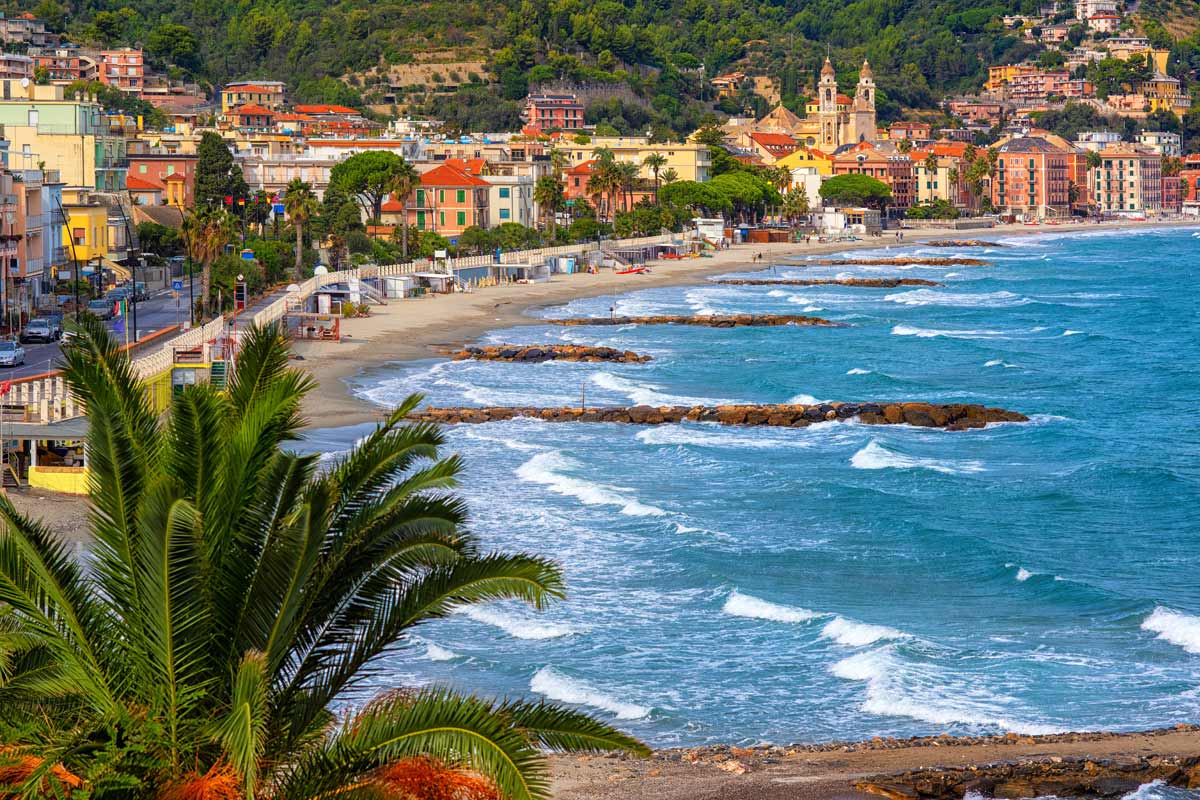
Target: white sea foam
435 653
897 687
858 371
953 274
1071 333
858 634
929 333
803 400
1175 627
1023 574
928 297
515 626
995 362
711 435
551 683
649 394
876 456
544 469
744 605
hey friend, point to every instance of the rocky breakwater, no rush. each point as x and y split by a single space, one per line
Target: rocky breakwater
867 283
949 416
705 320
537 353
1054 776
962 243
938 261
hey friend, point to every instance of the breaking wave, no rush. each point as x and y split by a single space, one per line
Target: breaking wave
551 683
515 626
542 469
744 605
876 456
1172 626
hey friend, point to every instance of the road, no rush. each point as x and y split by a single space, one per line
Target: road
160 311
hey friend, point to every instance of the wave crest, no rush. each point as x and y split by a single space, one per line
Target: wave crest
744 605
543 469
1174 627
551 683
876 456
514 626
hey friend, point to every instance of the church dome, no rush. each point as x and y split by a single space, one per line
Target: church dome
827 69
866 72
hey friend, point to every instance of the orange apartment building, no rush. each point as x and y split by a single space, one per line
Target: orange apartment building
1128 181
894 169
1031 178
123 69
447 202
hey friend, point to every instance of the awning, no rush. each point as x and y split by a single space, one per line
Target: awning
74 428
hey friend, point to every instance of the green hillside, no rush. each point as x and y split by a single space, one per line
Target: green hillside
921 49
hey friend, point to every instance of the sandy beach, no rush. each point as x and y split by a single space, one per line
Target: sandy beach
405 330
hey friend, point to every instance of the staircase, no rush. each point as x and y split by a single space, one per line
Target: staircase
218 375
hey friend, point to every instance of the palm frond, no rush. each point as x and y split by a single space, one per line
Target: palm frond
243 732
565 730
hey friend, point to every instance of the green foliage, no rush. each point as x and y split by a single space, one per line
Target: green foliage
856 190
368 177
937 209
217 176
171 43
114 100
159 239
232 593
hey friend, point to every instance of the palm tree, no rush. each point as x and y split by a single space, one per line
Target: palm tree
206 231
655 161
548 194
234 593
404 182
558 163
795 203
627 176
301 205
669 176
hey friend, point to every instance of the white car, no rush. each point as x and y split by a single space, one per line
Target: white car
11 354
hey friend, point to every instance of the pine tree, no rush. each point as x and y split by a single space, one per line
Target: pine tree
217 176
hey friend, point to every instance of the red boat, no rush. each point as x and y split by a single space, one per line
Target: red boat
633 271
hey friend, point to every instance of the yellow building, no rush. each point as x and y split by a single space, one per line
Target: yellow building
47 130
1004 74
85 236
1165 93
690 160
807 158
268 94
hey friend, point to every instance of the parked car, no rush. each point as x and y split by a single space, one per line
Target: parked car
139 291
45 329
102 307
11 354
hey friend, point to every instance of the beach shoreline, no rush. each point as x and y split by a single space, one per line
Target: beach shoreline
434 326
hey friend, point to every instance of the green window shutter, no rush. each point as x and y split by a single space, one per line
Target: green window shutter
441 195
441 218
421 220
420 197
462 218
462 196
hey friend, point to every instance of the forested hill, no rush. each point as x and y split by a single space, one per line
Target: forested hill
921 49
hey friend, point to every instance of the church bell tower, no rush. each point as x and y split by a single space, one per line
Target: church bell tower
827 112
862 115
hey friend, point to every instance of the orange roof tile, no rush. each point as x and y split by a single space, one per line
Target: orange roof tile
250 88
250 109
140 184
321 108
449 176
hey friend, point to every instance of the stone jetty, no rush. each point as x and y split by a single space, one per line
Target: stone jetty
962 243
950 261
706 320
1077 776
950 416
868 283
537 353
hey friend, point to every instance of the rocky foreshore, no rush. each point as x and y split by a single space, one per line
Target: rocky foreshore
869 283
962 243
706 320
949 416
1054 776
537 353
949 261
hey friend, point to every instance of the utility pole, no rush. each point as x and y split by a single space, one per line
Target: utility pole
74 257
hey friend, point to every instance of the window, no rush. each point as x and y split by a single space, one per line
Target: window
142 169
505 214
441 218
170 169
504 192
420 220
462 218
441 195
33 117
461 196
420 197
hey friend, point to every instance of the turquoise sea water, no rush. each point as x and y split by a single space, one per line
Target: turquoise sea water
845 581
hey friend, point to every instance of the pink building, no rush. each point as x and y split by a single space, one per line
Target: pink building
543 111
123 69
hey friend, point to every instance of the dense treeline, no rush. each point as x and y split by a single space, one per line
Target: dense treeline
662 50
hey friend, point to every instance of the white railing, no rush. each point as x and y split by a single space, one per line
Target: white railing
49 400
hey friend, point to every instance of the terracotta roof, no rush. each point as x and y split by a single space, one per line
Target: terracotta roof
293 118
175 176
773 139
449 176
471 166
250 109
844 100
140 184
581 169
321 108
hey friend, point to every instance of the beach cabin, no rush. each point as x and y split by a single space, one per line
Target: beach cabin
523 273
433 283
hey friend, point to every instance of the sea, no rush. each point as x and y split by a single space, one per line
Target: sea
845 581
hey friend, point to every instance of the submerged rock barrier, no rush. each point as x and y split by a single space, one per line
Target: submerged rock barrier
706 320
950 416
869 283
949 261
962 243
537 353
1065 776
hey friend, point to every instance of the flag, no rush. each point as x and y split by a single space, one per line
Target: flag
5 388
119 325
